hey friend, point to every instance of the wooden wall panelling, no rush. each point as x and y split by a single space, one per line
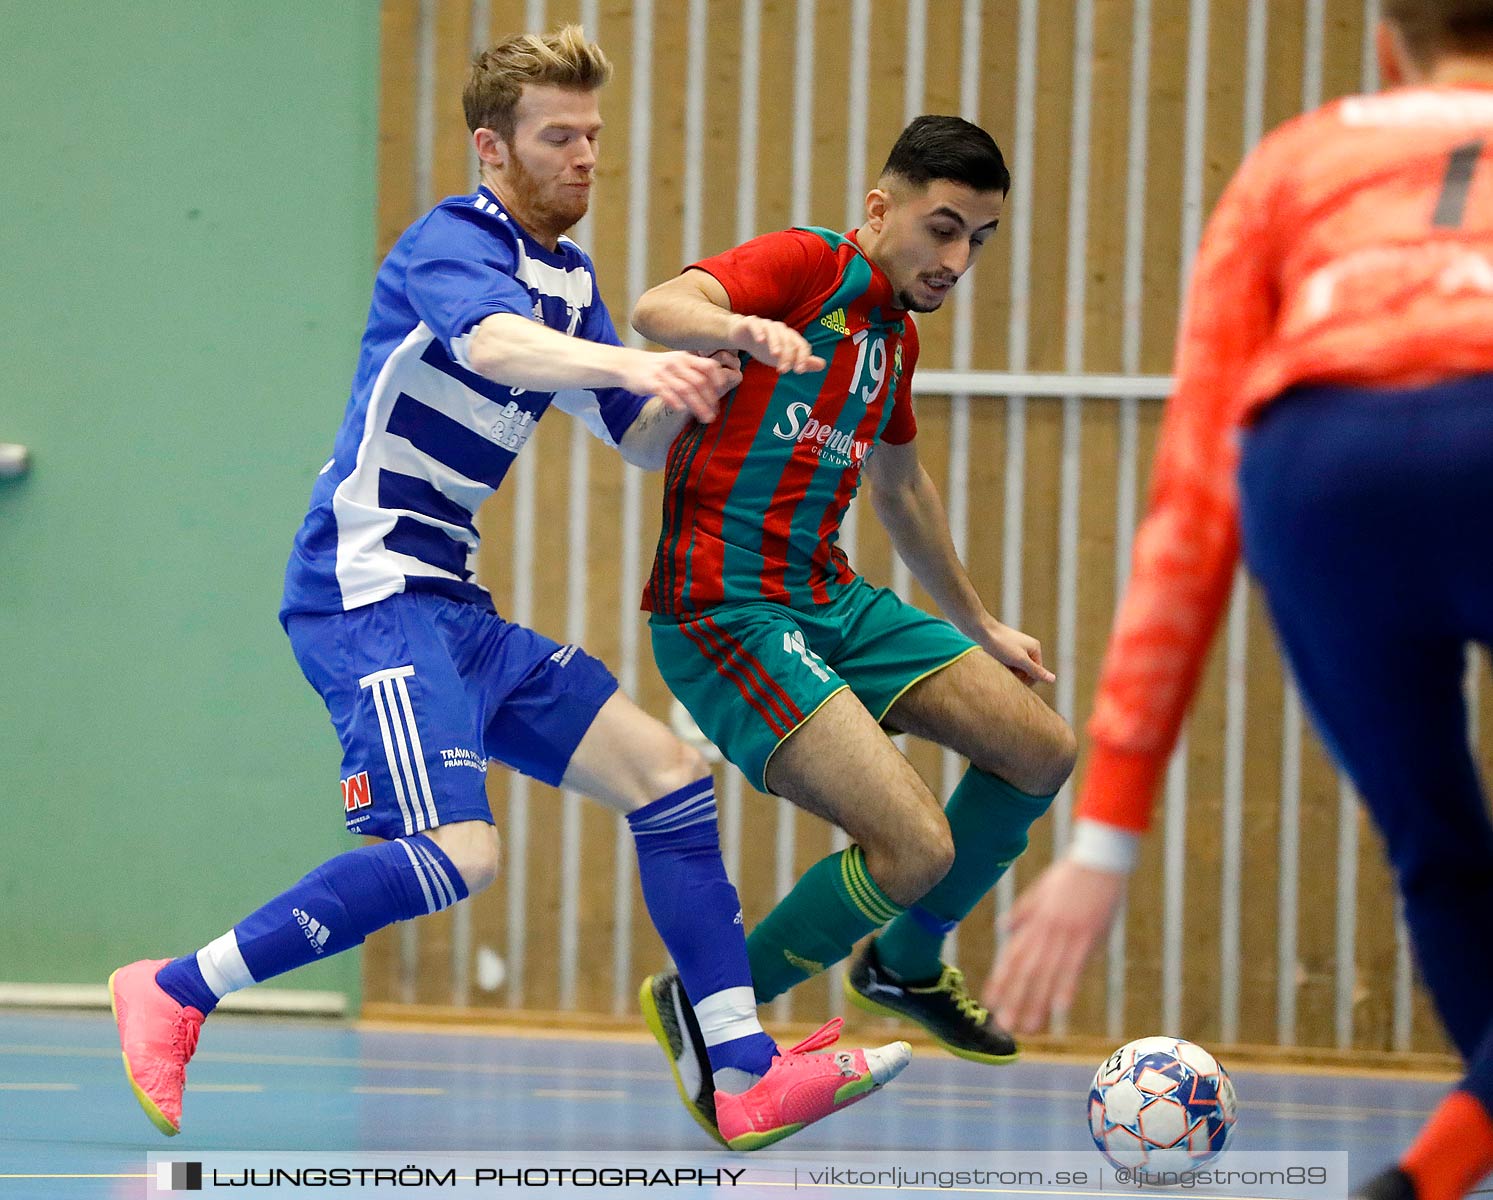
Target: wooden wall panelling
1047 191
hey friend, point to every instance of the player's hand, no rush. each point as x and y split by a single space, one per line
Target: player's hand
1049 934
771 342
1019 651
731 360
684 382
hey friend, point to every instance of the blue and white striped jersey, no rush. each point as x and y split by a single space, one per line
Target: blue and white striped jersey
425 440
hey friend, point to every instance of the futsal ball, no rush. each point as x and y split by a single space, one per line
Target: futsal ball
1163 1104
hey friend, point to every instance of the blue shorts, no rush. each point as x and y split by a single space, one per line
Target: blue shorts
423 691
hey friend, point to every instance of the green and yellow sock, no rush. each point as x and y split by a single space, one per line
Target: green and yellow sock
989 820
831 908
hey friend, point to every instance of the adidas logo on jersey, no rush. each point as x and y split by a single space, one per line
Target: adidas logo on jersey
835 322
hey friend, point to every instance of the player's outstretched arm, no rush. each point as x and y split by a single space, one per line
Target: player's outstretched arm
908 505
518 352
1047 938
693 312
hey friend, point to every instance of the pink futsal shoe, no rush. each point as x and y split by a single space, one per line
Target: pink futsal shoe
801 1087
158 1037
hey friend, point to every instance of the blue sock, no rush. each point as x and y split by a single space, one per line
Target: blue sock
331 910
696 912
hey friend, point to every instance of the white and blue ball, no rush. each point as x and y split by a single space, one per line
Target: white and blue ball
1161 1103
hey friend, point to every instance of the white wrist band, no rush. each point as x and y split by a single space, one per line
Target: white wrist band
1104 847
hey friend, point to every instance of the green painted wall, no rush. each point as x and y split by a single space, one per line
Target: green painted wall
186 253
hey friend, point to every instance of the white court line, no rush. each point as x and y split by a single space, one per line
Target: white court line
38 1087
578 1094
225 1087
397 1091
904 1088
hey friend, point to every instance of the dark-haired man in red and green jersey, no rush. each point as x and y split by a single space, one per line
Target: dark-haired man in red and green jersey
753 504
790 662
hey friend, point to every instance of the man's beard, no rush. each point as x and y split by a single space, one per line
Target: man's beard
906 303
531 198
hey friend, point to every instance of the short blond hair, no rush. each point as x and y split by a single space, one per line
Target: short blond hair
562 59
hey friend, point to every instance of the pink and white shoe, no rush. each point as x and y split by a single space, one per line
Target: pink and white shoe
157 1036
802 1087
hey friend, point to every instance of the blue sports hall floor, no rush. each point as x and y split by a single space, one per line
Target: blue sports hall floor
403 1098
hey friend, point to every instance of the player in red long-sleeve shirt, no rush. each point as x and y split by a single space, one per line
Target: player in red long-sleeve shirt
1333 415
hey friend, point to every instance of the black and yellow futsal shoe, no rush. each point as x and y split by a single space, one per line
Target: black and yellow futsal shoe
672 1022
942 1006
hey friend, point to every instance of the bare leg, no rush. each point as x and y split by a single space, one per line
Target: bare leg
840 765
978 708
628 759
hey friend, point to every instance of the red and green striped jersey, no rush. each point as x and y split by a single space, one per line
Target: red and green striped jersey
754 500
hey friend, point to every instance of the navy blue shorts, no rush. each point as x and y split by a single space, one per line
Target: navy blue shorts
423 691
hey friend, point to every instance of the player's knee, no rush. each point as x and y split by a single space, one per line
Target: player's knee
935 853
676 766
656 764
907 864
474 850
1061 753
1047 758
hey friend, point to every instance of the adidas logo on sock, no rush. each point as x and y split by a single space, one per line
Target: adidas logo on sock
316 933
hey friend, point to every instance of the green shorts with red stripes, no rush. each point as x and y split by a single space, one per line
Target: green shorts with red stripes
751 673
